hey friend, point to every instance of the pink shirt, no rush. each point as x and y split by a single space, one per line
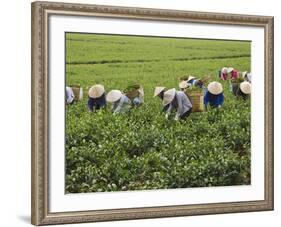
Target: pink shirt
234 74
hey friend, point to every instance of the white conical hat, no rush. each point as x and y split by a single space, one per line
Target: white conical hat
113 96
96 91
229 70
158 90
183 84
190 78
244 74
224 70
245 87
215 88
169 96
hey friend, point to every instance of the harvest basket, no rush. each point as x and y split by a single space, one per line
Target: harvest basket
78 92
132 94
196 98
132 90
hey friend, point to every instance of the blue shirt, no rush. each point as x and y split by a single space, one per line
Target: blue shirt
196 83
96 103
213 100
192 81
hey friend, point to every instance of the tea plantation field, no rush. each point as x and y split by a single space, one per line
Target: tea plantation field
142 150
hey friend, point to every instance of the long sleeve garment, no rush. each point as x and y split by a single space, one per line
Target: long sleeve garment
234 74
213 100
122 105
181 103
96 103
223 76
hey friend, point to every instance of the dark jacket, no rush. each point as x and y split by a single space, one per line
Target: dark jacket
96 103
213 100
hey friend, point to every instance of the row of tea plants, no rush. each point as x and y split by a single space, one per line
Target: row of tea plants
142 150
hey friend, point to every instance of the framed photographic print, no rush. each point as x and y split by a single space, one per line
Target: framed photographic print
149 113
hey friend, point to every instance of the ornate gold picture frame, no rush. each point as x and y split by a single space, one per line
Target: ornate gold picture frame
41 12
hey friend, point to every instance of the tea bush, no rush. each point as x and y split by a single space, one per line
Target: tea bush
142 150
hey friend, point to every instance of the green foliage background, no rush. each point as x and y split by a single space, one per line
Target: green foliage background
142 150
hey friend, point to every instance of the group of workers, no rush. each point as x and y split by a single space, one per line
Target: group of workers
171 98
98 99
227 73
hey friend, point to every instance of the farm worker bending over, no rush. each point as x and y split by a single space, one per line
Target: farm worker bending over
177 100
244 90
214 95
69 95
96 99
135 93
159 91
224 72
233 73
120 102
247 76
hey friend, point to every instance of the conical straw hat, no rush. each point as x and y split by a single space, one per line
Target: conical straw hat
229 70
96 91
113 96
215 88
224 70
169 96
244 74
158 90
190 78
183 84
245 87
